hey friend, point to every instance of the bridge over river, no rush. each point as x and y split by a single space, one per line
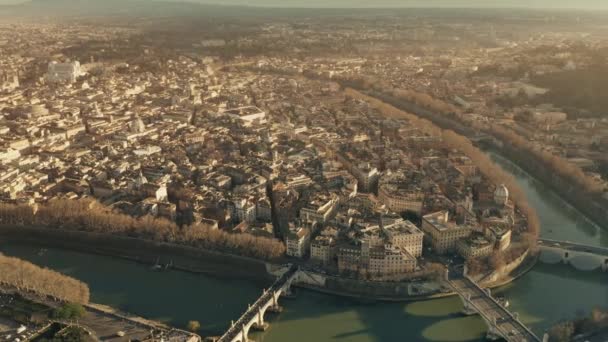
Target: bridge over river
582 257
254 316
502 324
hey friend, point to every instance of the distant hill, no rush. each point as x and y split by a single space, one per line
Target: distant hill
274 7
120 7
545 4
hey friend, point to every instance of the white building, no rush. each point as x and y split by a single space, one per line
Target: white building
8 83
161 194
389 260
9 155
405 235
245 211
501 195
400 194
319 212
297 242
475 246
249 115
213 43
63 72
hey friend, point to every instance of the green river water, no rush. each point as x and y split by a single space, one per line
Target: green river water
545 295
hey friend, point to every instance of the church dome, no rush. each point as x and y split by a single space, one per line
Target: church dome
501 194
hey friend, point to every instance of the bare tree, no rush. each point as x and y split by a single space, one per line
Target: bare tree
26 276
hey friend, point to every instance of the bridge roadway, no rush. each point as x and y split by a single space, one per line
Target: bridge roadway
501 322
241 326
575 247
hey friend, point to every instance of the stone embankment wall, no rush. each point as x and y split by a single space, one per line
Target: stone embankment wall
184 258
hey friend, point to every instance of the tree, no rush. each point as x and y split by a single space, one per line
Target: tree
561 332
43 282
497 260
91 216
69 311
69 334
194 326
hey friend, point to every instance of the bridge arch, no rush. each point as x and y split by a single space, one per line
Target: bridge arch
550 256
585 262
581 257
254 316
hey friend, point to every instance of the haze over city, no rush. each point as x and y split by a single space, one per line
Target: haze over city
539 4
229 171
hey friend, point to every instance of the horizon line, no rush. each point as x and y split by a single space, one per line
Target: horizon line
355 7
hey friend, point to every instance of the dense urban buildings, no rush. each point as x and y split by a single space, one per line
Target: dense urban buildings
252 145
350 148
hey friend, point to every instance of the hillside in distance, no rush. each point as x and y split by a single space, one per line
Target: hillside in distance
266 8
92 8
539 4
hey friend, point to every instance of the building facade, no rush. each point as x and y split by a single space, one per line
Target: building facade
405 235
63 72
322 250
297 242
443 234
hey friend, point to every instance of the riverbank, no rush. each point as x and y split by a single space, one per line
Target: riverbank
593 208
589 207
508 275
493 148
99 320
183 258
189 259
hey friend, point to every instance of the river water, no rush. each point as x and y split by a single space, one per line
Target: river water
543 296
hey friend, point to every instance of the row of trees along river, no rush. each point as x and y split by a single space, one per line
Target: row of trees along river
86 214
542 297
585 192
455 141
27 277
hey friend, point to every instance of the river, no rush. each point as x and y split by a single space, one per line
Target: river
543 296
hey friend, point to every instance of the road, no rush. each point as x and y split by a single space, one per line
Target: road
575 247
492 311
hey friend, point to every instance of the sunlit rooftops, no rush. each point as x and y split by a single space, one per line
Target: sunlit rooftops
402 227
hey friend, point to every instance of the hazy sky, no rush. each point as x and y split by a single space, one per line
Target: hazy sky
420 3
588 4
